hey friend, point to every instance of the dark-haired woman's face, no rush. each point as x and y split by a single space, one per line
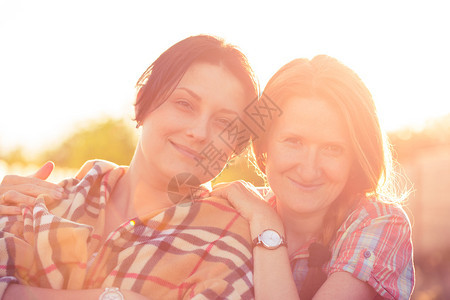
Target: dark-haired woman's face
188 133
309 156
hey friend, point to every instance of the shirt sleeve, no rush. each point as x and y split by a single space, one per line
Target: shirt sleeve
378 250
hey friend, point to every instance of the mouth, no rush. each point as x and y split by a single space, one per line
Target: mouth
188 152
307 187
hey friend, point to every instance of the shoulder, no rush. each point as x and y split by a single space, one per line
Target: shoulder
89 173
374 245
218 211
85 187
372 210
375 227
216 217
98 165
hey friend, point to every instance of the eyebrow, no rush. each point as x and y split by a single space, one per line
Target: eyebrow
339 142
199 99
190 92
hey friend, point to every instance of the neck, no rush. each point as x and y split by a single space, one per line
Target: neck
300 227
140 191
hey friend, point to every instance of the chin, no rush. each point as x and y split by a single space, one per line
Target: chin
197 173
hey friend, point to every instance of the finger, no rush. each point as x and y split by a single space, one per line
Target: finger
10 210
235 188
11 181
221 189
44 171
221 184
229 191
34 191
223 193
14 198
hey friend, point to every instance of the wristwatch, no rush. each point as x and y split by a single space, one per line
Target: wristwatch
112 293
269 239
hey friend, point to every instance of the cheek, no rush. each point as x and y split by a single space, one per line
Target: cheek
147 134
280 158
279 162
338 170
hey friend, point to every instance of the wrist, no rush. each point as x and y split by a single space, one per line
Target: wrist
259 223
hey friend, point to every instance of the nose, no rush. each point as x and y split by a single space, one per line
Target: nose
199 129
308 167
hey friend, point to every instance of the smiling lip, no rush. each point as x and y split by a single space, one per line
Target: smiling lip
304 186
186 151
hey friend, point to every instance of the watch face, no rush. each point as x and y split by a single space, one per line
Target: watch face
270 238
111 294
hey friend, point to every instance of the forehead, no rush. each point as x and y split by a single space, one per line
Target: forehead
214 83
313 118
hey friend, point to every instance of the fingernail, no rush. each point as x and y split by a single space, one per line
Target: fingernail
17 210
60 189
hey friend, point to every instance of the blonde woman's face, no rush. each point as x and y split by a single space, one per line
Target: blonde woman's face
309 156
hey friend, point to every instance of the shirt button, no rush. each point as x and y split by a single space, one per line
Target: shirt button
367 254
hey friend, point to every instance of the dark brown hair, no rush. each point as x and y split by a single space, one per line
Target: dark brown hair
160 79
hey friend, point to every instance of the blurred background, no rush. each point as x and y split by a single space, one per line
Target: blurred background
68 69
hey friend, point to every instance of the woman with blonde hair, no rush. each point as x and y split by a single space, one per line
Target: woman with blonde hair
332 228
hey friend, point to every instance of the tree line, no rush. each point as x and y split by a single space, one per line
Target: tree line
115 139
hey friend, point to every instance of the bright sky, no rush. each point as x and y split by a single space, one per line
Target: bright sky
62 62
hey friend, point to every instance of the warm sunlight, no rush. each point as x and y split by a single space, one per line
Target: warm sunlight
63 63
68 70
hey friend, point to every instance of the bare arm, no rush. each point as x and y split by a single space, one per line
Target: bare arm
271 268
16 291
342 285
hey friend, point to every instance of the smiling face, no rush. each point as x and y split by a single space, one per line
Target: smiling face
308 156
182 134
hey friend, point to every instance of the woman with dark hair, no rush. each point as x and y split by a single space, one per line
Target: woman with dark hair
332 227
144 230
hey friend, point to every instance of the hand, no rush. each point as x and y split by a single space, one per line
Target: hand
245 198
22 190
251 205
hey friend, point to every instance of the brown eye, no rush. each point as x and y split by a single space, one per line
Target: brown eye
184 104
223 122
293 141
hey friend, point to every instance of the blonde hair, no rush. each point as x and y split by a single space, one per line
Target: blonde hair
327 79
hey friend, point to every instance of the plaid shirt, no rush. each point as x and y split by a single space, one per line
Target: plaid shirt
374 245
197 250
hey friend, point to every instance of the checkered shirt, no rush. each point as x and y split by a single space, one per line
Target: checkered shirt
200 250
374 245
